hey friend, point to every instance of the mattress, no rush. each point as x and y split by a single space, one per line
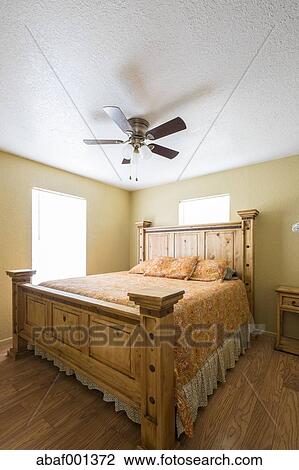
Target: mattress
215 306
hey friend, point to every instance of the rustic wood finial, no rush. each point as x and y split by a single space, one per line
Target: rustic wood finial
156 303
21 275
248 214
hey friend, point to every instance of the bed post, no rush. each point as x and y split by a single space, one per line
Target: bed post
18 276
157 367
140 226
248 223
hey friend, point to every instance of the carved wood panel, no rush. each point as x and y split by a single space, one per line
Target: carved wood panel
159 244
109 354
66 324
220 245
36 311
186 244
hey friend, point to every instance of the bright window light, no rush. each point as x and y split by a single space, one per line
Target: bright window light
58 235
205 210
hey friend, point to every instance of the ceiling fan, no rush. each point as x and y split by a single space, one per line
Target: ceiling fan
139 142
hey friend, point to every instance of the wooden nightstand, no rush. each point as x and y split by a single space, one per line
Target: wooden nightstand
287 301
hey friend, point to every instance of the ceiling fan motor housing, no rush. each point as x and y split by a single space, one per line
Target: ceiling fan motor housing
140 127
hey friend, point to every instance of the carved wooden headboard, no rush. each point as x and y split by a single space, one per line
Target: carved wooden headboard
233 241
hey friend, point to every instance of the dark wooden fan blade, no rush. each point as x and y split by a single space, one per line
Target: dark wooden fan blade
163 151
170 127
102 141
125 161
119 118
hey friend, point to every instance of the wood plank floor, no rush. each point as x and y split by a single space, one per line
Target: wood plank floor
258 407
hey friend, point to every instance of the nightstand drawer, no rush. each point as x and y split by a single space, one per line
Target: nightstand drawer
290 301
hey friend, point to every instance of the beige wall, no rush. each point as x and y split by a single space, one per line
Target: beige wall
108 211
272 188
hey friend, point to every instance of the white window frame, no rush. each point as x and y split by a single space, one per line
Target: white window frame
181 210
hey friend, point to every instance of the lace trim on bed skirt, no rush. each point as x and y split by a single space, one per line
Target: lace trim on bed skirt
213 371
196 391
132 413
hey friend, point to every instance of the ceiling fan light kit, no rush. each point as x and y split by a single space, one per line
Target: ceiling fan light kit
127 151
145 152
139 145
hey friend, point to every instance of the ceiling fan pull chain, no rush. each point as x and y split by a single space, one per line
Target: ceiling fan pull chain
136 167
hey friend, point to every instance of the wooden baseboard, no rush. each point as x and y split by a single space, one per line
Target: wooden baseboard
269 333
258 332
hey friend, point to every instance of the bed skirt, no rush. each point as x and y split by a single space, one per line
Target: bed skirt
197 390
213 371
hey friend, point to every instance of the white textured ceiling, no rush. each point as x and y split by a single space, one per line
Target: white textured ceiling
158 60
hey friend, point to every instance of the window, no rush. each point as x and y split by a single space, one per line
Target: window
58 235
205 210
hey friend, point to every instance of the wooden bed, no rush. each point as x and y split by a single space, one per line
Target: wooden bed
140 377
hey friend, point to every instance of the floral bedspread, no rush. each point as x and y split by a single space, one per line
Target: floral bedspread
205 303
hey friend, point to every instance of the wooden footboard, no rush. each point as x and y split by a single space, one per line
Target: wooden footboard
125 351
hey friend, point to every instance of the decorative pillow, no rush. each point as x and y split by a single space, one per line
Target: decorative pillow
158 266
209 270
181 268
140 268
